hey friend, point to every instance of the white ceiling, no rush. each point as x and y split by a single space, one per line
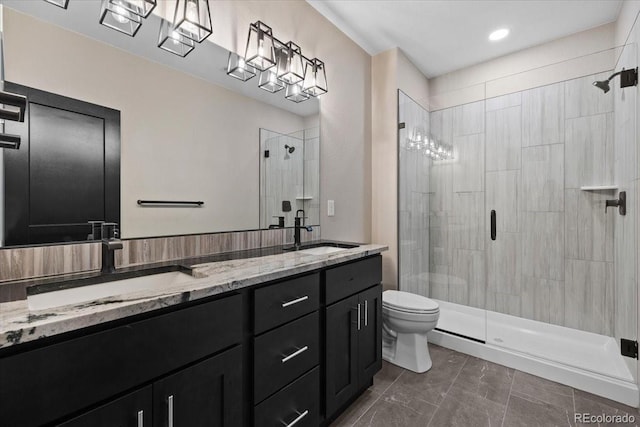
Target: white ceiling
440 36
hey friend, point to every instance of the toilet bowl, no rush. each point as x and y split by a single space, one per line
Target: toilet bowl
406 320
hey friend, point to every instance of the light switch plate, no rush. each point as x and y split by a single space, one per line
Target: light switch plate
331 207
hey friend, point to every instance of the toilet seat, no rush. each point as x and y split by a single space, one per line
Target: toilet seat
406 302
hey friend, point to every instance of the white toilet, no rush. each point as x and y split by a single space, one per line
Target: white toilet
406 319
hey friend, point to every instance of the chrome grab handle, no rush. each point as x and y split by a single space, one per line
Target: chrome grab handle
170 403
295 301
358 316
140 418
294 422
294 354
366 312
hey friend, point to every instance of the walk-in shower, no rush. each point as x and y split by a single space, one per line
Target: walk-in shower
509 233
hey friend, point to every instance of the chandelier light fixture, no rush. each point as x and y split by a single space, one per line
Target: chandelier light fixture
60 3
191 24
125 15
281 65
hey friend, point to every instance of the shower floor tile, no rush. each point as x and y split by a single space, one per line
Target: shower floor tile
465 391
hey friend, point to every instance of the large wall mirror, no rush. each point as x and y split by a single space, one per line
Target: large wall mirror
187 131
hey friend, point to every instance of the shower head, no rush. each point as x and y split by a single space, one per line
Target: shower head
602 84
627 78
290 149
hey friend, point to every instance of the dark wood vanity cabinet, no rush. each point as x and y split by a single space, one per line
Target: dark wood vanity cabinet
353 334
291 352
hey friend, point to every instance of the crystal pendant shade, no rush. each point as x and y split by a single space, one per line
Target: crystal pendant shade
260 52
295 93
115 15
315 78
192 19
174 42
60 3
290 64
269 81
238 68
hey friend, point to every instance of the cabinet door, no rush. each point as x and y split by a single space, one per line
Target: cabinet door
370 335
207 394
132 410
341 353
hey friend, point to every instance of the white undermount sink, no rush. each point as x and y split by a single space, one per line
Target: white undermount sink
88 293
322 250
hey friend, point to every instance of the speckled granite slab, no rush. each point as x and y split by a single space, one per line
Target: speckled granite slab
19 325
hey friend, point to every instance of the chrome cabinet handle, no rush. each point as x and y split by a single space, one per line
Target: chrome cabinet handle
170 404
295 301
294 422
366 312
294 354
358 316
140 418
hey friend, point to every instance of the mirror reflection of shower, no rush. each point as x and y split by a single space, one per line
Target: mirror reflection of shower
288 149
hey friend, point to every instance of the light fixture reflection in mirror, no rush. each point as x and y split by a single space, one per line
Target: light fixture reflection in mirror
269 81
294 93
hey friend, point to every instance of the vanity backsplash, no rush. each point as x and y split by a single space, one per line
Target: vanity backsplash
41 261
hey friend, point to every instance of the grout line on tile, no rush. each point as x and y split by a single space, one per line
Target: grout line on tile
506 406
376 400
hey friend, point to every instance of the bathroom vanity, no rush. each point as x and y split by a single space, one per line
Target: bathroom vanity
284 339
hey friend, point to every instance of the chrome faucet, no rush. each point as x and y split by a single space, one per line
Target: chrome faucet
110 243
298 226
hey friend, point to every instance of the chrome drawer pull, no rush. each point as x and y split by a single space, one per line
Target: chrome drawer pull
140 418
170 403
295 301
294 422
366 312
294 354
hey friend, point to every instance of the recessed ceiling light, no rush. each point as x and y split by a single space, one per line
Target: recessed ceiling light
499 34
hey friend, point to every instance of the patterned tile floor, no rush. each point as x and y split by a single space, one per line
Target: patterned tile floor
461 390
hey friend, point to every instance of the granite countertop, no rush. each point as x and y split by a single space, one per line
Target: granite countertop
211 276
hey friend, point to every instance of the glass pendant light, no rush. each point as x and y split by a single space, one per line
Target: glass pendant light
115 15
290 65
294 93
174 42
315 79
269 81
60 3
236 67
192 19
141 8
260 53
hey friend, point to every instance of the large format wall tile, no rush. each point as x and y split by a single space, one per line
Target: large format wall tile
543 245
588 230
504 264
582 99
504 101
466 221
543 178
503 303
543 115
542 300
468 119
467 278
468 166
504 135
503 194
589 293
589 151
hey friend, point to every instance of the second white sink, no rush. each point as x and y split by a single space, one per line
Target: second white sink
83 294
322 250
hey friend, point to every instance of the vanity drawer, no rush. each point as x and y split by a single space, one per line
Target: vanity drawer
282 355
298 401
352 278
68 376
278 304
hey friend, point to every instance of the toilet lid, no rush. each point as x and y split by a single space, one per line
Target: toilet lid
406 301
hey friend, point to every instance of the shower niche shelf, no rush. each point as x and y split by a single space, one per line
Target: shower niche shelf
304 198
599 188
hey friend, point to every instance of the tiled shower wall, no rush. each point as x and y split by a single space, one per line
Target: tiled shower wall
526 155
30 262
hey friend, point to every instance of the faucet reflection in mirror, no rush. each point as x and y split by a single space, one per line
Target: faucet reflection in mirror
281 65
